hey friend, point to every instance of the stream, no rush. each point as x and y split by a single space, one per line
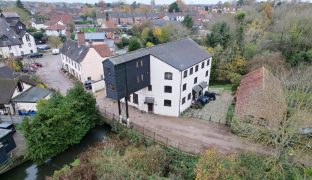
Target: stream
30 171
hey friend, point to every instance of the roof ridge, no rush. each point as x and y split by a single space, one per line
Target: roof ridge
152 47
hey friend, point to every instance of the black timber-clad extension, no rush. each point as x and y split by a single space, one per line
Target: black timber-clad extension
124 79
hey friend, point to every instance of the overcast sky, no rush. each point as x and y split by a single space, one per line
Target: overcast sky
138 1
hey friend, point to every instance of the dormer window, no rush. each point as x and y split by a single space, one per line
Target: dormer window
4 38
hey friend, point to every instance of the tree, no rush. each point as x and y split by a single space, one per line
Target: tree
174 7
134 44
38 36
60 122
54 41
220 35
19 4
240 3
188 22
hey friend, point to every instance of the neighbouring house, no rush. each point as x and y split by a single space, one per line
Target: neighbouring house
174 17
7 144
164 79
56 30
38 24
14 40
260 99
84 61
94 37
18 92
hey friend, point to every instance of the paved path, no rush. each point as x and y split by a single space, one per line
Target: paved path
183 130
51 73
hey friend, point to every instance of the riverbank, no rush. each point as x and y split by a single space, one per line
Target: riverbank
29 170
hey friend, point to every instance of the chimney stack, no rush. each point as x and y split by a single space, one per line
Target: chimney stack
81 38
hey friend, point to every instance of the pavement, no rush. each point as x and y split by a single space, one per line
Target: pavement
51 73
183 130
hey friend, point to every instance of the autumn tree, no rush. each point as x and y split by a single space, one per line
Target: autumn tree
55 41
134 44
174 7
188 22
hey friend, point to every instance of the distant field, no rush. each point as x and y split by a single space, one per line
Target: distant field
90 29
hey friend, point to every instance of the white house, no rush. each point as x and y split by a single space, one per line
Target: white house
179 17
164 79
84 61
38 24
56 30
18 92
14 40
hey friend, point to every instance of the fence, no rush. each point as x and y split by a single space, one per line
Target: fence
15 119
153 135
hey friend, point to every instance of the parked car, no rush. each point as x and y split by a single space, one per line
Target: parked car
29 69
210 95
203 100
88 84
7 125
35 55
43 47
55 51
33 67
38 65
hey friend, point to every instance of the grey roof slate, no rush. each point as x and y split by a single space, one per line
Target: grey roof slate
32 95
7 88
73 51
8 36
10 15
180 54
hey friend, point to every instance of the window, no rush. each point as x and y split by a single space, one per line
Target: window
203 65
184 87
109 71
137 64
135 98
20 87
141 63
22 53
75 66
9 47
183 100
31 51
138 79
196 68
29 44
4 38
168 75
185 74
142 77
189 96
208 62
207 72
167 103
195 80
20 46
111 87
27 37
168 89
149 87
191 71
89 78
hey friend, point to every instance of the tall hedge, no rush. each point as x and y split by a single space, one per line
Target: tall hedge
60 122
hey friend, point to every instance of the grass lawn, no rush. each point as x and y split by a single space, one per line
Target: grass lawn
224 86
89 29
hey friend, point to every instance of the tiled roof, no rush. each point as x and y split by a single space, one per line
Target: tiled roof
102 49
180 54
56 27
75 52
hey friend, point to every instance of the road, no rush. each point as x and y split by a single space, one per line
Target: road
51 73
183 130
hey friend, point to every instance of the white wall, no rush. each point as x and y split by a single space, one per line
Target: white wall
55 32
26 87
98 85
28 106
92 66
74 68
38 26
189 80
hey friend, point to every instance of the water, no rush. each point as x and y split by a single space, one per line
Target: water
30 171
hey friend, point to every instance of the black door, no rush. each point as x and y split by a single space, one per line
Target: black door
150 107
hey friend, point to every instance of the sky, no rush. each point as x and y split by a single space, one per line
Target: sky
138 1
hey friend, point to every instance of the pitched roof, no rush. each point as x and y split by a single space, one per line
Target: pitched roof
7 89
102 49
93 36
75 52
56 27
180 54
10 14
32 95
8 36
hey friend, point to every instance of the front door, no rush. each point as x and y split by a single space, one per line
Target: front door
150 107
